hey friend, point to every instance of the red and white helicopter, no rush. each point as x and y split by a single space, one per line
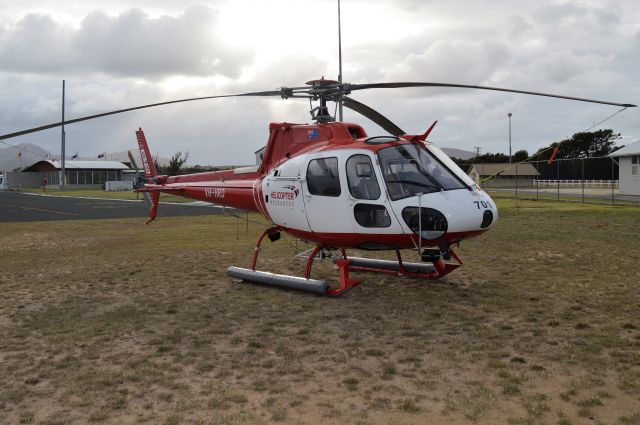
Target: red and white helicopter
331 184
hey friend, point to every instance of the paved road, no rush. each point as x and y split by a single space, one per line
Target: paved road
16 206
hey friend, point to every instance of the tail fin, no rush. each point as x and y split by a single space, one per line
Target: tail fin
152 198
147 160
149 172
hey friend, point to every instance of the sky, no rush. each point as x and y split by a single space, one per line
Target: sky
119 54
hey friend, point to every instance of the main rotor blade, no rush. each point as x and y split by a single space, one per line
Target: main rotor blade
373 115
465 86
119 111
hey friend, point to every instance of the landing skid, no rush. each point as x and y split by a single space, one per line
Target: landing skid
435 270
429 271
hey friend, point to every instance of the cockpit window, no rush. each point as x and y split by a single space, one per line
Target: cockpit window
361 178
409 170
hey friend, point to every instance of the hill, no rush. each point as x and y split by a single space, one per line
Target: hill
12 157
458 153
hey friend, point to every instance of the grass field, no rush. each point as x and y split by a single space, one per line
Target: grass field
116 322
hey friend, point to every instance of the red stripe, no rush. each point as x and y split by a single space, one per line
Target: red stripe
393 241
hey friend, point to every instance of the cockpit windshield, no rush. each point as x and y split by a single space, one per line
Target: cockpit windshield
409 170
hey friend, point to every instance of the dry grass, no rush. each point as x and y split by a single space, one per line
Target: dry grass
117 322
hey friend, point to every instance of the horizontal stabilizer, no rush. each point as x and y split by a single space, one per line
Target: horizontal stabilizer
158 188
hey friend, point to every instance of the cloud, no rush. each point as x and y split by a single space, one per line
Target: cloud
36 42
130 44
120 57
454 60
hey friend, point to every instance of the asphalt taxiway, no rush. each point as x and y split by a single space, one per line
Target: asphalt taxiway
22 207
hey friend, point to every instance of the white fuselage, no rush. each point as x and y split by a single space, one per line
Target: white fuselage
345 191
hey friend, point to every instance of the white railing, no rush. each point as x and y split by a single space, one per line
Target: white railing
594 184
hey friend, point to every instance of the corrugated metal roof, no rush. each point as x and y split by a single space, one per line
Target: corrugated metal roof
88 165
629 150
525 169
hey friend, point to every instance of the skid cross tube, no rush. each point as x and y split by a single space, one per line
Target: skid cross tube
310 258
436 270
292 282
269 231
346 283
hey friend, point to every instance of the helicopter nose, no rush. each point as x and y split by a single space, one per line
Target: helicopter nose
489 210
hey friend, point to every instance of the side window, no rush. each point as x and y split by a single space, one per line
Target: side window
361 178
370 215
322 177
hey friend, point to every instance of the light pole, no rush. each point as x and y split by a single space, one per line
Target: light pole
62 183
509 115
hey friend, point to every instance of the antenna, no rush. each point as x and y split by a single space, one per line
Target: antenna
339 61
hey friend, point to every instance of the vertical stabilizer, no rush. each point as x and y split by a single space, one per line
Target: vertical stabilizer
153 199
147 160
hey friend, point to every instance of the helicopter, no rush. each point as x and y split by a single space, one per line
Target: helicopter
331 184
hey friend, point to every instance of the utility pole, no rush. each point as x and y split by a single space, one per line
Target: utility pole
477 148
509 115
62 154
339 61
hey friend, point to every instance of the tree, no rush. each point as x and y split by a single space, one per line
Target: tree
520 156
582 145
491 158
176 162
156 164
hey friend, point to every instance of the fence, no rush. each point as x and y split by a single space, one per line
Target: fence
599 184
593 180
74 178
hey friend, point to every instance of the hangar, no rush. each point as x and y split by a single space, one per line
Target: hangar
84 174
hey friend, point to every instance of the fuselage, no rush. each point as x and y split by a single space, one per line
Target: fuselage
333 185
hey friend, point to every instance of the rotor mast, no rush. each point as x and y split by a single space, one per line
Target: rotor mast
340 118
322 90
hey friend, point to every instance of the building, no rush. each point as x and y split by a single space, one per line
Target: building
629 168
81 174
503 175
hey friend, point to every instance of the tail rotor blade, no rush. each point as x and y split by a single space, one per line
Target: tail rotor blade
139 180
147 199
133 162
